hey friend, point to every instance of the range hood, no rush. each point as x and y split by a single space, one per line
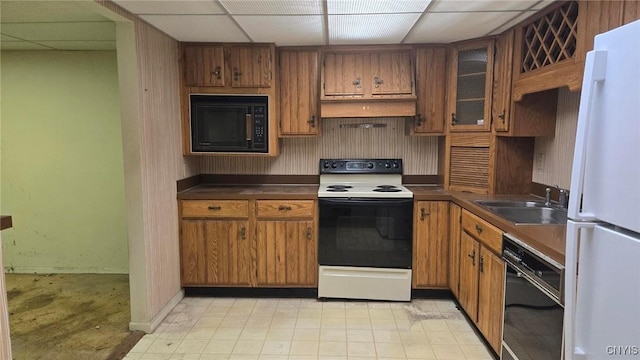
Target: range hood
356 108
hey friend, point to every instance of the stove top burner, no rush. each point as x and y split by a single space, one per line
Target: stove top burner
337 190
339 187
387 186
386 189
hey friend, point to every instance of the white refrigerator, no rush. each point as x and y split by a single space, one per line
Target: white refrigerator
602 274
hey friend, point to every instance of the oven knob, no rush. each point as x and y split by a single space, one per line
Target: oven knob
370 165
326 165
387 165
395 165
334 165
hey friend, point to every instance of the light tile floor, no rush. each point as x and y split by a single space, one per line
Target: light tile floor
274 329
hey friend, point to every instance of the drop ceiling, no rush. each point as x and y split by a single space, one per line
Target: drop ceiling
73 25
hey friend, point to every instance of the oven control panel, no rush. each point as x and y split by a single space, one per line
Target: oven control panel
361 166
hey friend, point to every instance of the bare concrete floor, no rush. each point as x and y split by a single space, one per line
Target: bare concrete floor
67 316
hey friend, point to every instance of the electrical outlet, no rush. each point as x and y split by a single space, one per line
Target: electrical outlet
540 161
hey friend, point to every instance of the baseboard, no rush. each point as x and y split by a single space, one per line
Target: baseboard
63 270
149 327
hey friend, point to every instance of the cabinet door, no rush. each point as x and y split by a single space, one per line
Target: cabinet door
299 85
469 256
391 73
455 214
251 66
491 297
204 66
430 90
502 82
343 74
431 246
286 253
227 252
193 263
470 87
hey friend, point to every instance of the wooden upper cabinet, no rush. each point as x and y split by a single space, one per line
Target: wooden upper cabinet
299 85
204 65
470 86
391 73
502 74
430 90
251 66
343 74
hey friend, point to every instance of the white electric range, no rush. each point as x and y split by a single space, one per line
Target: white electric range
366 230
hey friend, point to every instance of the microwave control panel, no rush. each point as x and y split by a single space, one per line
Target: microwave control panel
259 126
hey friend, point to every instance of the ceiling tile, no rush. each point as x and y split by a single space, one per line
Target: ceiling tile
485 5
47 11
61 31
81 45
4 38
523 16
284 30
369 29
450 27
172 7
273 7
21 45
338 7
205 28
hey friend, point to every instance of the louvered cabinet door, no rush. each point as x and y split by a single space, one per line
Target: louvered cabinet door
468 163
286 253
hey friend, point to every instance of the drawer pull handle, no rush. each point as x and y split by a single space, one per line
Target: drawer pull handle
217 72
479 229
473 257
215 208
284 208
423 214
243 233
308 233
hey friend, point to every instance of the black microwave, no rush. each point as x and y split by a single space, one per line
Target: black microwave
229 123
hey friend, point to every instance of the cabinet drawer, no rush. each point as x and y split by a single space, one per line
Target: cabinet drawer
286 208
486 233
215 208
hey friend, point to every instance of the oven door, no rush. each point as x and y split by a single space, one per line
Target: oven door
365 232
532 321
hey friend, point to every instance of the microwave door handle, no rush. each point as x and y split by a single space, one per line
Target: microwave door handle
249 123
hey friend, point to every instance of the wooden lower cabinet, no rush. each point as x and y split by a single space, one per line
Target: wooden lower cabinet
455 214
286 253
431 244
481 292
215 252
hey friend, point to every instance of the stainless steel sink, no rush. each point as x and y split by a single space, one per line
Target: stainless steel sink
510 203
526 212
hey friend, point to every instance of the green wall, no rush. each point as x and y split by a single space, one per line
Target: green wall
61 163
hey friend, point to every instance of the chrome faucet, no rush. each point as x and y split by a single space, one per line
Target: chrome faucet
547 197
563 198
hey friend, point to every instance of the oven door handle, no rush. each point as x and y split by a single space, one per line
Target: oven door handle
364 201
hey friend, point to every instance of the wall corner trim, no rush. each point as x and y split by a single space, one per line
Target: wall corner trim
150 326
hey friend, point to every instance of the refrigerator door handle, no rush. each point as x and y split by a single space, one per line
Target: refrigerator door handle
573 348
594 72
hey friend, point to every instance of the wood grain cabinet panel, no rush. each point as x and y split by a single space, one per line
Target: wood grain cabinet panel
344 74
491 297
299 99
215 208
204 66
468 293
431 244
455 215
251 66
502 74
215 252
489 235
430 91
391 73
286 253
285 209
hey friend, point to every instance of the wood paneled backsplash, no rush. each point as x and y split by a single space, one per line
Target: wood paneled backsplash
558 150
300 156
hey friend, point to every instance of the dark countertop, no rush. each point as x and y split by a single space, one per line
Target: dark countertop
249 192
549 239
5 222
